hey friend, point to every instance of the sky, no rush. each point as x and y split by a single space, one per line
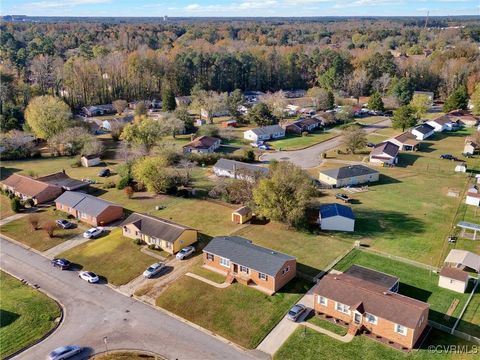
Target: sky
250 8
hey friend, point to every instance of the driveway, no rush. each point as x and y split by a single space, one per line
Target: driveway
95 311
310 157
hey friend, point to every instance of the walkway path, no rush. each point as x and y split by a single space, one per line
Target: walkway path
345 338
12 218
208 281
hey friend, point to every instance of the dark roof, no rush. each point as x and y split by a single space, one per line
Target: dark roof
244 210
156 227
231 165
84 203
346 172
376 277
64 181
29 186
455 274
90 157
243 252
406 138
424 129
442 120
268 130
202 142
330 210
386 147
372 298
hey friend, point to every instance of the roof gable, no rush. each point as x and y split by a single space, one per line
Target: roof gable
346 172
84 203
331 210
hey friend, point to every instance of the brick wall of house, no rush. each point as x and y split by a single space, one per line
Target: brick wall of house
110 214
282 280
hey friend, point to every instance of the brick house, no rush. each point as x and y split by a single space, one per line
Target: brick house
202 144
249 264
367 301
26 187
88 208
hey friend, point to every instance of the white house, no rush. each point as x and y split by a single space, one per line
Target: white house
441 123
336 217
90 160
423 131
473 196
238 170
406 141
385 153
265 133
461 167
453 279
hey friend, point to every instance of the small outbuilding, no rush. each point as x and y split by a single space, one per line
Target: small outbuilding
336 217
462 259
461 167
242 215
473 196
90 160
453 279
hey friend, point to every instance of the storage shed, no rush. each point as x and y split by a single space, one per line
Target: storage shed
242 215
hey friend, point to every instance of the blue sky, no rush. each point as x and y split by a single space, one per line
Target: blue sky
238 7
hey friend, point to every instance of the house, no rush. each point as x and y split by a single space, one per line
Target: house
90 160
406 141
205 114
453 279
27 187
229 123
367 304
442 123
463 117
120 123
183 100
423 131
252 97
461 167
462 259
473 196
202 145
238 170
349 175
249 264
264 133
303 125
88 208
163 234
336 217
65 182
99 110
294 93
470 147
384 153
242 215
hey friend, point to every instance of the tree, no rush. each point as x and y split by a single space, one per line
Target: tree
183 114
260 114
128 190
420 104
321 98
345 115
456 100
475 99
285 194
354 138
47 116
276 102
50 226
209 130
209 103
74 141
140 109
375 102
116 128
234 100
403 90
172 125
145 132
120 105
34 221
404 117
154 174
15 204
168 99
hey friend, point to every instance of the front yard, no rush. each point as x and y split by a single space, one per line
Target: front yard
238 313
5 208
113 257
296 142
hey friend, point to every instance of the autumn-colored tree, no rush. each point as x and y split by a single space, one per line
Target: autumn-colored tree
128 190
50 226
475 99
34 221
354 138
120 105
47 116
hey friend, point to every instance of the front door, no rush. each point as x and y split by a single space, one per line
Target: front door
235 268
357 318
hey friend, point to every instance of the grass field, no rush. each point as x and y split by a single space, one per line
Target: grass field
337 329
307 344
415 282
295 142
21 230
113 257
238 313
208 274
5 209
470 322
26 315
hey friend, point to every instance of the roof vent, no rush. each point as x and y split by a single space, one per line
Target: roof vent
386 293
274 253
335 278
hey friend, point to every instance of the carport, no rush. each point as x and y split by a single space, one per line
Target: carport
467 229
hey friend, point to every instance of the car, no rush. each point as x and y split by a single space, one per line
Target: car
153 270
64 224
371 145
185 252
89 276
264 147
104 173
296 311
93 233
64 352
448 157
63 264
342 197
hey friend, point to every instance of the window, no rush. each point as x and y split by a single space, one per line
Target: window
400 329
209 257
286 270
322 301
372 319
262 276
126 229
342 308
224 262
83 215
244 269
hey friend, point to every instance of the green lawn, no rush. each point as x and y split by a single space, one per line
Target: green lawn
368 120
307 344
295 142
328 325
238 313
114 257
26 315
21 230
470 322
415 282
198 269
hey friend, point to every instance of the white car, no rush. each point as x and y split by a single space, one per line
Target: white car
89 276
185 252
64 352
93 233
153 269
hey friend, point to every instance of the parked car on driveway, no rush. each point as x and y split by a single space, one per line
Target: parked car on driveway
296 311
63 264
89 276
342 197
104 172
64 352
64 224
93 233
153 270
185 252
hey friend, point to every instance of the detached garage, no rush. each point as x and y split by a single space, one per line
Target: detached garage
336 217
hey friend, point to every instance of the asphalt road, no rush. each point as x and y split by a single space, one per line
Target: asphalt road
310 157
93 311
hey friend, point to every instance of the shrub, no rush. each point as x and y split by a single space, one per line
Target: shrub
15 204
76 163
34 220
138 242
109 184
30 202
124 182
152 247
305 133
50 226
11 195
128 190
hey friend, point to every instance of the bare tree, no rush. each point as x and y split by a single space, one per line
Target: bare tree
34 221
50 227
276 102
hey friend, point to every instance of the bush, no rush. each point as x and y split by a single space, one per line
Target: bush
124 182
11 195
16 205
34 221
109 184
30 202
128 190
138 242
305 133
50 226
152 246
76 163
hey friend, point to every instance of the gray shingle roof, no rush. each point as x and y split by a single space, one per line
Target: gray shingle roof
373 276
386 147
156 227
330 210
84 203
243 252
64 181
226 164
424 129
268 130
346 172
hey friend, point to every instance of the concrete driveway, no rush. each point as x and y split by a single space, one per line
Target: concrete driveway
310 157
95 311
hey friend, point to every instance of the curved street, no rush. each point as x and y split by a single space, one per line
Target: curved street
93 312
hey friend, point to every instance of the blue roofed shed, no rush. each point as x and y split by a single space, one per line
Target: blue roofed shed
336 217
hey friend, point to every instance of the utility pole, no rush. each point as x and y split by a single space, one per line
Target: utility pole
106 344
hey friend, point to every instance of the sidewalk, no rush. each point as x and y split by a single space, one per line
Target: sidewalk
345 338
207 281
13 217
66 245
